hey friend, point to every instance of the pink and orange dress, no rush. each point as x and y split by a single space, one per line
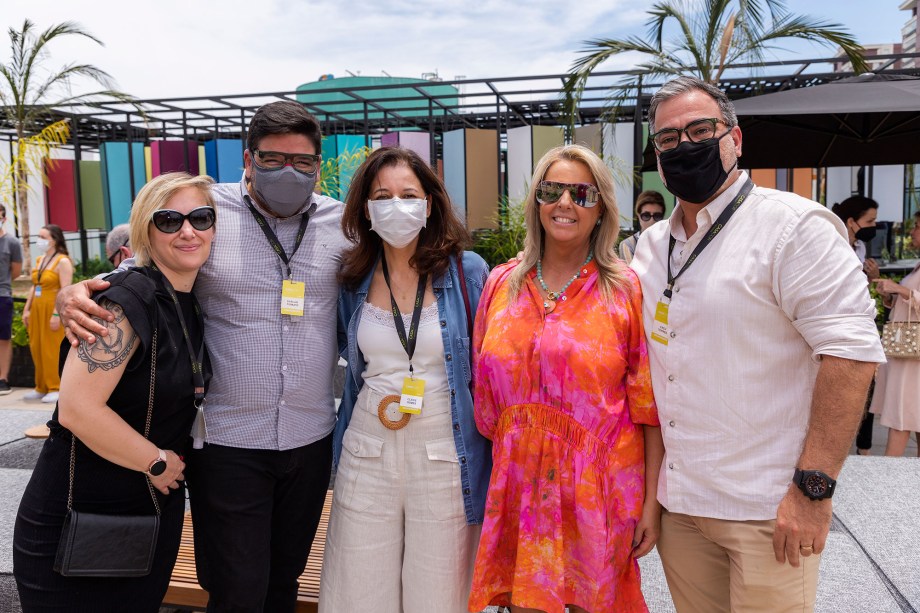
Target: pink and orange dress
563 396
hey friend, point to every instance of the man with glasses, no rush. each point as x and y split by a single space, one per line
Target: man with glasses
650 210
762 343
259 479
10 268
116 245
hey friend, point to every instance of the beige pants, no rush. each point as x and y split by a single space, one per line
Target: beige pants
717 565
398 541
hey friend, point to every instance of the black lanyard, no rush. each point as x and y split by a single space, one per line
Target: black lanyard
197 362
713 232
273 240
45 264
407 343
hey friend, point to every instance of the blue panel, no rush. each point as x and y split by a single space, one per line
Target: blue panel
224 159
116 182
347 145
455 169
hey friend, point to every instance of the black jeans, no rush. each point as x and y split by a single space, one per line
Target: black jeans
864 435
256 512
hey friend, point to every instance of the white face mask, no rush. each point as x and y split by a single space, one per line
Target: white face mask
41 244
398 221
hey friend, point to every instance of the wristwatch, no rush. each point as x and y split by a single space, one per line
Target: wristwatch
814 483
158 466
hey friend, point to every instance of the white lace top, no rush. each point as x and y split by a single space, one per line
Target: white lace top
387 362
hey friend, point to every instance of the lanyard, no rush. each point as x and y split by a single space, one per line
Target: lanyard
713 232
273 240
197 369
407 343
46 263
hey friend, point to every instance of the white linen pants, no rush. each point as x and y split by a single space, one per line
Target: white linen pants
398 541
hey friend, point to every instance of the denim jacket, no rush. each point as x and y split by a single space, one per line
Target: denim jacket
474 452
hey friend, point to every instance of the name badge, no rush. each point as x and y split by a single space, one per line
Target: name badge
412 392
660 330
292 297
38 290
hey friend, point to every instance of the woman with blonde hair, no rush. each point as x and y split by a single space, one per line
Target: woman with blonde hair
122 423
563 391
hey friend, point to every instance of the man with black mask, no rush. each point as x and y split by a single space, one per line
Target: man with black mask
762 343
259 474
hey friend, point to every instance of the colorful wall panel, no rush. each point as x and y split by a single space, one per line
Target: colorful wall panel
336 146
116 178
419 142
471 175
94 209
224 159
526 145
590 136
60 195
170 155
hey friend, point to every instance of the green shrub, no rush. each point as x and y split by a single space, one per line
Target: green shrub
20 335
497 246
95 266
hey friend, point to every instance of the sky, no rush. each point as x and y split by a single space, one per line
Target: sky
173 48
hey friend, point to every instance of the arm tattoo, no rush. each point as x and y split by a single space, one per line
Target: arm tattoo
109 351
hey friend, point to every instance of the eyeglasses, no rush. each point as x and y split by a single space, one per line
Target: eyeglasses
169 221
645 216
117 252
306 163
582 194
697 131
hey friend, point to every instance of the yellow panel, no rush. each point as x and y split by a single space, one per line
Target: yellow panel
148 163
764 177
544 138
482 190
202 161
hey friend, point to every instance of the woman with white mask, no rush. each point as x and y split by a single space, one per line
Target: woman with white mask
412 470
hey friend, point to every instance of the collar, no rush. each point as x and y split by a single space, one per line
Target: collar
711 210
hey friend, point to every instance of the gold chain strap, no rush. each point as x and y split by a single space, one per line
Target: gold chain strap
73 438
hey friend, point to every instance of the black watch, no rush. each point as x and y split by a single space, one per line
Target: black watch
158 466
814 483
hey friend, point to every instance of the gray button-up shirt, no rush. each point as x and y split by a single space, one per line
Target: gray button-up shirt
272 383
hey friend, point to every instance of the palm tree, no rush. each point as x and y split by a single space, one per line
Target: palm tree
29 92
710 38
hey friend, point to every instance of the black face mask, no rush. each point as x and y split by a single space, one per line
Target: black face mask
865 234
693 171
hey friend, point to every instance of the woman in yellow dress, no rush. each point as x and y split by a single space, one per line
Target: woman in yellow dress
52 271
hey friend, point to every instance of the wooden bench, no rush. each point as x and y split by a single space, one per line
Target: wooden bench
184 591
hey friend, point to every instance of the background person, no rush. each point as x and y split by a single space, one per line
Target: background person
52 271
117 248
104 404
859 214
650 210
564 393
897 387
10 268
408 502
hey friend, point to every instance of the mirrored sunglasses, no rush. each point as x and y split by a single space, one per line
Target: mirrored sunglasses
645 216
170 221
582 194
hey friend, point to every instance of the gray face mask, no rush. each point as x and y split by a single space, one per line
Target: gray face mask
285 192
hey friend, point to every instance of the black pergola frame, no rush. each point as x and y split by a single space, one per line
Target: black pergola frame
499 103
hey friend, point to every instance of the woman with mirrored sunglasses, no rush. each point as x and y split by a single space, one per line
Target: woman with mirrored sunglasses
563 391
125 454
650 210
412 470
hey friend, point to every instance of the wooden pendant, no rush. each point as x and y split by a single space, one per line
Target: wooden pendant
549 305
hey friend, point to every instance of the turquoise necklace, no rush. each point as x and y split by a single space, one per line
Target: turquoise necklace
551 297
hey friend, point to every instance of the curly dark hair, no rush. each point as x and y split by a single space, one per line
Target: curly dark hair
444 234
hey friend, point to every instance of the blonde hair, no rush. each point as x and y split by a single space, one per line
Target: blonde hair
611 268
155 196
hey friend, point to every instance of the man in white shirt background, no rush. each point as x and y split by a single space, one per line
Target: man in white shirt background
762 344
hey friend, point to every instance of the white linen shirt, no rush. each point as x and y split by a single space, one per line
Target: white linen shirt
777 288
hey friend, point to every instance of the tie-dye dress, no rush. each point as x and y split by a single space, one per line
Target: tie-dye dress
563 397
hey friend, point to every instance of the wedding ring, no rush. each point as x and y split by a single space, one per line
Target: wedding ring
806 548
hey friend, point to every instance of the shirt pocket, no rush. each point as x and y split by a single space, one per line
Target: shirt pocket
359 481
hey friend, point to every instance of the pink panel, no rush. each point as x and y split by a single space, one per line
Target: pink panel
60 195
169 156
389 139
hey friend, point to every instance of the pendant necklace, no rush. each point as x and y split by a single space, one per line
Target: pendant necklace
551 297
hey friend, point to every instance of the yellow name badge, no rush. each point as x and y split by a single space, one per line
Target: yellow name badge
412 392
292 297
660 328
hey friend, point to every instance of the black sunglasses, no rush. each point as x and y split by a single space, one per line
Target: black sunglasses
169 221
645 216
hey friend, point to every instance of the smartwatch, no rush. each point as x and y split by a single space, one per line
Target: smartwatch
158 466
814 483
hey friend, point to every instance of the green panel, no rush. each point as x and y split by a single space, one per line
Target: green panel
652 180
313 94
544 138
94 210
